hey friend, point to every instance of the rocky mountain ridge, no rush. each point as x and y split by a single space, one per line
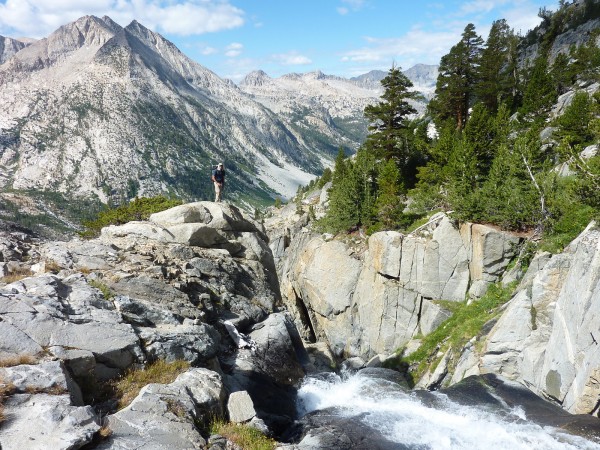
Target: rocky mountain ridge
100 110
329 109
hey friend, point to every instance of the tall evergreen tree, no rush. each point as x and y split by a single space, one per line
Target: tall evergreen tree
495 68
458 74
390 135
388 207
539 94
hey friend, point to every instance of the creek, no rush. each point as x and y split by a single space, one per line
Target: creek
482 413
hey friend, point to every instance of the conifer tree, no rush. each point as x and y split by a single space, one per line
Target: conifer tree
573 125
390 134
495 81
388 207
458 74
539 94
479 134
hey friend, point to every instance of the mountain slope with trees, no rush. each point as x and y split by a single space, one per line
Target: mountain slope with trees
503 124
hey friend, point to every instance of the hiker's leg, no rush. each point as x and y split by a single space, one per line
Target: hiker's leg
217 192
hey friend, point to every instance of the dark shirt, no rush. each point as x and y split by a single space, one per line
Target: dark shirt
219 175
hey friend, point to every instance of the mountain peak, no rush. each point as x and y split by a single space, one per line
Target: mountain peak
255 78
9 47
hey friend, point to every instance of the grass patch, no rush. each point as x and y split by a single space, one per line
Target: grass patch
129 386
16 275
245 436
17 360
466 322
52 266
6 389
106 291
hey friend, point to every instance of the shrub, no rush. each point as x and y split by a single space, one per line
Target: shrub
466 322
245 436
106 291
52 266
138 209
16 275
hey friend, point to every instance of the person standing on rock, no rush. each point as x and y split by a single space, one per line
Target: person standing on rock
218 178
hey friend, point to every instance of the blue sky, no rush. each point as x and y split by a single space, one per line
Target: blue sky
339 37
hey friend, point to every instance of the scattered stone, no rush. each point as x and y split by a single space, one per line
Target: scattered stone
240 407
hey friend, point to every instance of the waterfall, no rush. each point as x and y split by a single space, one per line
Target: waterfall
430 421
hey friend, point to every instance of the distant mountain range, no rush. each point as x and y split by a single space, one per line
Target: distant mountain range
100 111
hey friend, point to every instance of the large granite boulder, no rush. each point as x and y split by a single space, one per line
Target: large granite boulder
49 313
46 396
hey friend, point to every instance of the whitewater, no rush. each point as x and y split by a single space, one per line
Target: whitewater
401 417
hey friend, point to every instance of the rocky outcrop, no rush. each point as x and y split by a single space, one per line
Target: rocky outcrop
548 336
373 302
87 311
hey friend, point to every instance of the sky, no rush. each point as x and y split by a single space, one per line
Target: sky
339 37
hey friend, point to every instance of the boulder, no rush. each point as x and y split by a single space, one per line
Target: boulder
46 377
277 351
219 216
165 416
189 341
43 421
49 314
240 407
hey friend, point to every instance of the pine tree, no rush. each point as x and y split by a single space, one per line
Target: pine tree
511 196
462 175
458 75
495 81
390 132
479 134
573 125
388 207
352 194
540 93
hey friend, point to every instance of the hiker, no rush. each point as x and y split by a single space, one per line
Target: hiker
218 178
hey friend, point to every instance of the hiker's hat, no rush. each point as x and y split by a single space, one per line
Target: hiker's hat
220 165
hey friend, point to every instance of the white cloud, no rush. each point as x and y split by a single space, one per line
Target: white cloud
234 49
291 59
206 50
38 18
354 5
415 46
481 6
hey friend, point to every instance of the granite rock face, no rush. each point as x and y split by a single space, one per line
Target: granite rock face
548 336
372 301
165 416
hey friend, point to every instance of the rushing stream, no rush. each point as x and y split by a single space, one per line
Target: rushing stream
423 420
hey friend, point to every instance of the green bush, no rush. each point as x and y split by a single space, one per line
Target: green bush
466 322
137 209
